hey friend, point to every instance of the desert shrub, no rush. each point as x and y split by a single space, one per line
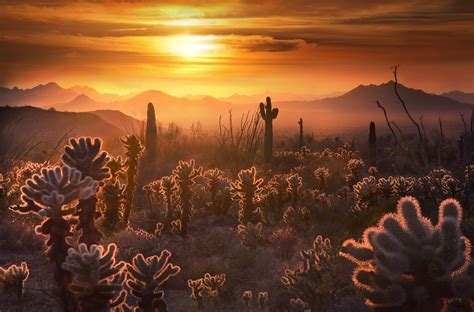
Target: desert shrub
408 263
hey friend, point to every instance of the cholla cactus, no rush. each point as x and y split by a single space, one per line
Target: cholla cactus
298 305
247 191
250 235
321 174
353 171
98 277
365 193
112 195
146 276
133 149
220 191
17 178
116 167
47 195
278 185
404 186
262 299
196 291
450 186
84 155
212 283
314 282
297 218
247 297
408 263
14 277
185 173
294 186
386 187
372 171
168 188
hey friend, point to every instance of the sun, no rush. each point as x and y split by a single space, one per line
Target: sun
193 46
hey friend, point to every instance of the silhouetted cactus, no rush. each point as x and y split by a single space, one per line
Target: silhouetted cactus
151 136
84 155
268 114
146 276
386 187
372 144
353 171
321 174
278 194
295 182
301 138
246 189
212 283
97 277
262 299
247 296
196 291
250 235
404 186
185 173
408 263
221 199
13 278
168 188
112 195
49 195
133 149
298 305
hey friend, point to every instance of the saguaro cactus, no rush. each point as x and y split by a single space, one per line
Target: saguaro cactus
151 135
408 264
372 144
268 114
84 155
134 149
301 141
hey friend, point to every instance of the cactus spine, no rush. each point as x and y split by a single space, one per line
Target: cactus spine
151 136
133 149
372 144
268 114
408 264
301 141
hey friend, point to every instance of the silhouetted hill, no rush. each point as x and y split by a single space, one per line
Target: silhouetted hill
460 96
120 120
41 96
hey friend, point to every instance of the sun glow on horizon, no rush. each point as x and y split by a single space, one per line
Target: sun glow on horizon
193 46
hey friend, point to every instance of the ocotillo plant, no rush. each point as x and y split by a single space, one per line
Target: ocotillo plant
146 276
408 264
13 278
151 136
268 114
301 140
50 195
247 191
372 144
84 155
185 173
133 149
97 277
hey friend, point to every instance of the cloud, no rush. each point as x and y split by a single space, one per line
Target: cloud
263 44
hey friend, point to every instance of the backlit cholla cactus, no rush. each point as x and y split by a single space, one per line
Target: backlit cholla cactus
113 198
146 275
278 194
50 196
13 278
247 296
3 195
298 305
151 189
365 193
212 283
250 235
246 189
219 188
97 277
353 171
134 149
18 178
196 291
321 174
298 218
314 282
404 186
167 191
408 264
84 154
185 173
451 186
372 171
386 187
262 299
295 182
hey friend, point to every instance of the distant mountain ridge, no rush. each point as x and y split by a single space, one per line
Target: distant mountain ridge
463 97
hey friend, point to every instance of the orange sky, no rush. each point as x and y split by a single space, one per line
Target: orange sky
224 47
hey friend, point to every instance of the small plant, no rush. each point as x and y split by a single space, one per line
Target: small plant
262 299
268 114
353 171
133 149
386 187
404 186
212 283
146 276
250 235
246 189
298 305
365 193
98 277
196 291
408 263
247 297
321 174
13 278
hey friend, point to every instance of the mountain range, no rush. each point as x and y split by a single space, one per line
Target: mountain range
352 108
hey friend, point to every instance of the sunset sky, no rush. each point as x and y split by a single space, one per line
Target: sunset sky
224 47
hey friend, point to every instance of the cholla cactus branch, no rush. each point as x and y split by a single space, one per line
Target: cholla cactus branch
14 277
196 291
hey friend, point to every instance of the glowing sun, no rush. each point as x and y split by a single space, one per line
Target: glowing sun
193 46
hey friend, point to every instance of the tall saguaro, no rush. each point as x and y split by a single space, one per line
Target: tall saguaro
268 114
301 142
372 144
151 135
